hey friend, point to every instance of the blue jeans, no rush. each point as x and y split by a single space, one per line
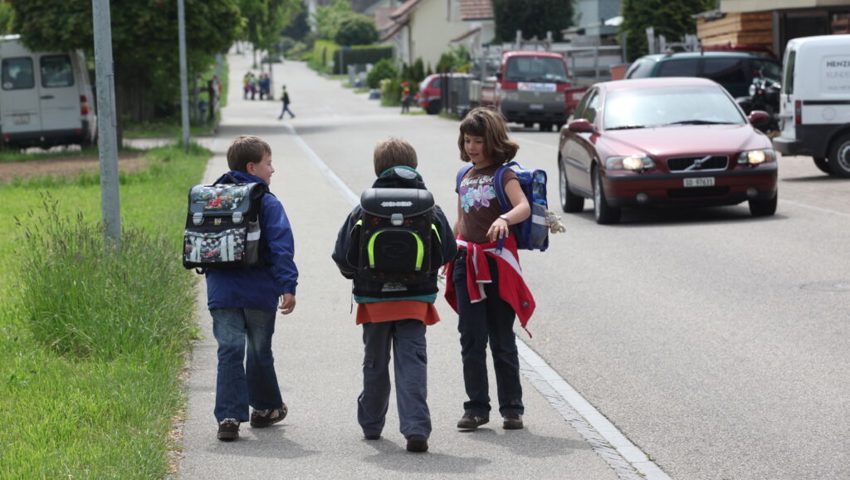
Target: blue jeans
490 320
253 383
407 338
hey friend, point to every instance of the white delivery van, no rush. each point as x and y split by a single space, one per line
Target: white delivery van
45 97
815 102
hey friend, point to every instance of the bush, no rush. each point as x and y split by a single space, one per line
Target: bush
356 29
84 299
383 69
390 92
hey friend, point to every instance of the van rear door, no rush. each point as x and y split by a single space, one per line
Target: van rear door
786 98
59 95
20 105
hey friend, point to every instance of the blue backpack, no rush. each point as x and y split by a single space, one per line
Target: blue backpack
533 232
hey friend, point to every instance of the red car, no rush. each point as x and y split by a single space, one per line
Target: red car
664 141
429 96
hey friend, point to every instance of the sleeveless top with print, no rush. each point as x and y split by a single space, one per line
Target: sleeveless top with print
479 207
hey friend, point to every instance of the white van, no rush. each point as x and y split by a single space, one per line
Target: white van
815 102
45 97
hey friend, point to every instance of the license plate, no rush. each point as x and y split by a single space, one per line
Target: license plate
536 106
21 119
699 182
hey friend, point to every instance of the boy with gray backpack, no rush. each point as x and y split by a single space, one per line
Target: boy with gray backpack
392 246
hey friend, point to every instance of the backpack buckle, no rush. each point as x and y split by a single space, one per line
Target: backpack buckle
397 219
237 217
198 218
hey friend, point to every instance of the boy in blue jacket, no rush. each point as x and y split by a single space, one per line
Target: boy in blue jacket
243 304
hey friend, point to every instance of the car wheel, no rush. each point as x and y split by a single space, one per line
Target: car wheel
570 202
763 208
433 108
604 213
545 127
823 164
839 157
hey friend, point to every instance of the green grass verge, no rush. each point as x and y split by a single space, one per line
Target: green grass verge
15 155
92 344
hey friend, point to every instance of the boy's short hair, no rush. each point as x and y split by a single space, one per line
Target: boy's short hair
246 149
491 126
394 152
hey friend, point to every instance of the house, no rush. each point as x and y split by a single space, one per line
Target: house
481 26
770 25
424 29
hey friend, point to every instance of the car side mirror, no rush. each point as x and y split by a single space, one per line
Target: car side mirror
758 117
581 125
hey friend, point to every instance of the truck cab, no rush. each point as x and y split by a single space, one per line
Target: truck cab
531 87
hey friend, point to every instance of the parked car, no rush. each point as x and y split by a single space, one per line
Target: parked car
46 98
664 141
815 102
430 94
734 70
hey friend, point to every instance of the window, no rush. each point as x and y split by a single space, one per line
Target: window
17 73
788 76
582 105
640 69
686 67
592 106
536 69
724 71
56 71
768 69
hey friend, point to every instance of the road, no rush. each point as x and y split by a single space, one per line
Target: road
717 344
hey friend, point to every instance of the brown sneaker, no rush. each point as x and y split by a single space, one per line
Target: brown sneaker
512 421
266 418
471 422
228 430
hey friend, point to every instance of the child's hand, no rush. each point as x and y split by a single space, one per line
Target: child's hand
287 303
499 229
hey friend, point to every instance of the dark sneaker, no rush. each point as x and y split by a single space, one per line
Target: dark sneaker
471 422
372 436
417 444
512 421
265 418
228 430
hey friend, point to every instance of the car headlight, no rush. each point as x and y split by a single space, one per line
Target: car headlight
757 157
633 163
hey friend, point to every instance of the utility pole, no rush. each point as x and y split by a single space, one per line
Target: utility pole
106 123
184 77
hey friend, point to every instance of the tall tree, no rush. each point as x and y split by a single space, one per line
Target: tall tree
7 17
671 18
265 20
533 17
144 42
328 18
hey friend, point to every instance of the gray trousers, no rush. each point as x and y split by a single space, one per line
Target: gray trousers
407 338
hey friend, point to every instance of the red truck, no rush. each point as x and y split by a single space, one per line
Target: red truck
532 87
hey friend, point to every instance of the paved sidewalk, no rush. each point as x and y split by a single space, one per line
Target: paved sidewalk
318 351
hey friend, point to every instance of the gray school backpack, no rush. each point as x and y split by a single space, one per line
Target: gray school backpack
223 226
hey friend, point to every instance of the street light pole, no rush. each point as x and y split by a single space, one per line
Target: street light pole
106 123
184 88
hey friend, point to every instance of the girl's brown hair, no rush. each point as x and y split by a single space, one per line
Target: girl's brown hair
490 125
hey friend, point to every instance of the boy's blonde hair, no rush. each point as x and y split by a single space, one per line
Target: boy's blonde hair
394 152
490 125
246 149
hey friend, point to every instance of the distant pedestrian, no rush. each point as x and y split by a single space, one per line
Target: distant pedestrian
484 284
285 100
394 314
405 97
265 83
243 304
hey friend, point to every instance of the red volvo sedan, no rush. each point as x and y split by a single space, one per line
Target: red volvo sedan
664 141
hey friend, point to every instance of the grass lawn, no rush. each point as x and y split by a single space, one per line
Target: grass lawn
68 414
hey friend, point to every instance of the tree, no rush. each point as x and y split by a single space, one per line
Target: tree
533 17
298 27
144 42
671 18
356 29
328 18
7 18
265 19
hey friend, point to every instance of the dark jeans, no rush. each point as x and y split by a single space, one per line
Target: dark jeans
407 338
492 320
255 382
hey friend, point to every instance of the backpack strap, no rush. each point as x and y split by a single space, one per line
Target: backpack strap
460 174
499 185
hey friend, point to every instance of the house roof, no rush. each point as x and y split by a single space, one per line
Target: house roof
390 32
476 10
404 9
466 34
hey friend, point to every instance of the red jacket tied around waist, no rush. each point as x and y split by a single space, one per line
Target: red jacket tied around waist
512 287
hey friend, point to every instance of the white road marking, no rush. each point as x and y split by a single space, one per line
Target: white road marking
626 459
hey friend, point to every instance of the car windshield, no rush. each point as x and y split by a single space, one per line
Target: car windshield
659 107
536 69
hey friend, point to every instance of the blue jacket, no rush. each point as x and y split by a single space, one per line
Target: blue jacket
260 287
